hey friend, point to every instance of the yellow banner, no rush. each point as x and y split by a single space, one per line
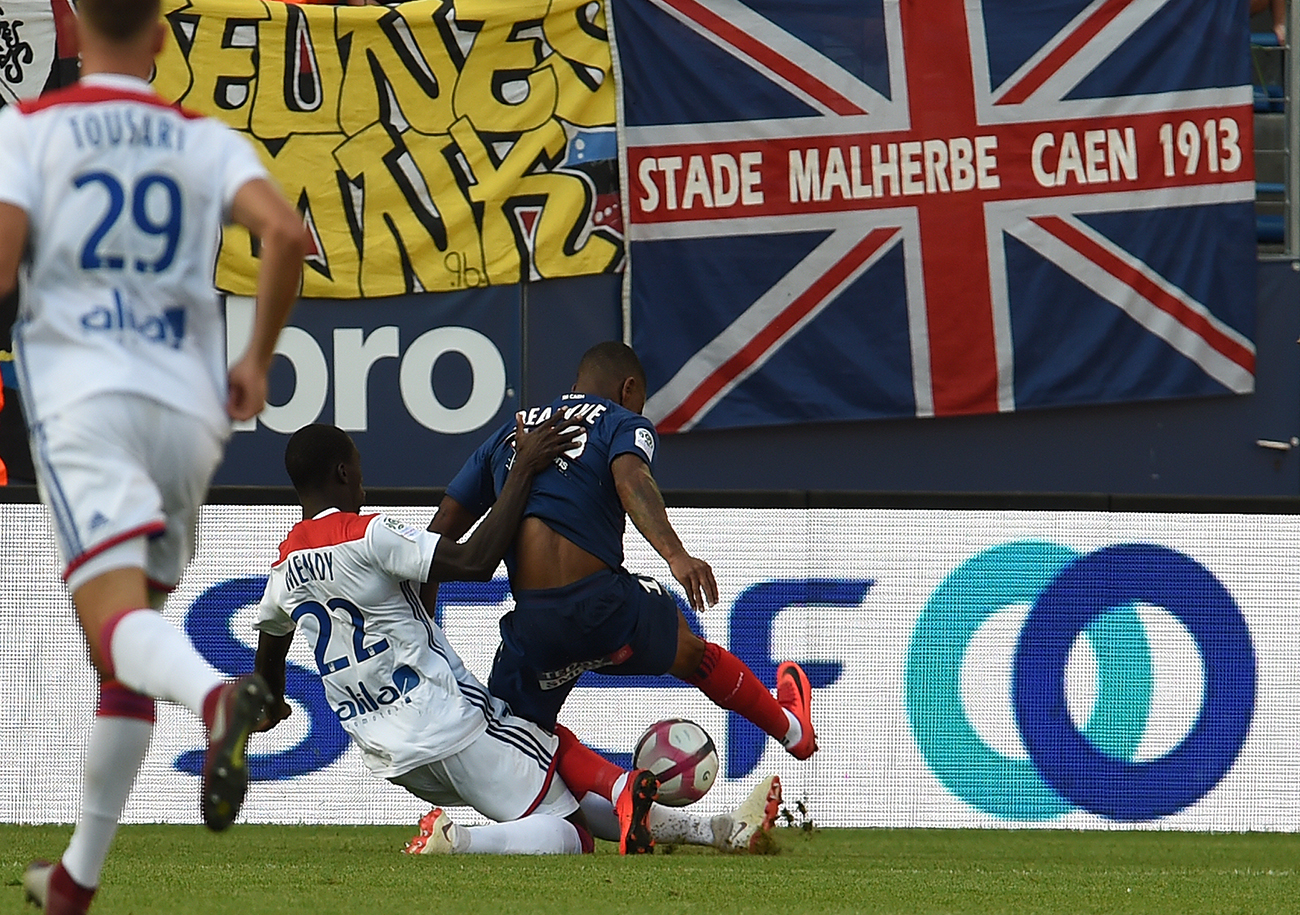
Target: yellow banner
434 145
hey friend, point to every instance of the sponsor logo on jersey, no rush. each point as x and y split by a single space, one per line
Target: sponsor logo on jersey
167 328
361 701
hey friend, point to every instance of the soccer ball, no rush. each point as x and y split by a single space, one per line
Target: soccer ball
682 755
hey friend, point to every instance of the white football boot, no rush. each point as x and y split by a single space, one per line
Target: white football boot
747 828
437 836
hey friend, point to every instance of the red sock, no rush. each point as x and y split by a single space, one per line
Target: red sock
66 894
582 768
210 706
117 701
584 837
730 683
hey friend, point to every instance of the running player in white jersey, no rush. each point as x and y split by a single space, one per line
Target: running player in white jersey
115 201
354 583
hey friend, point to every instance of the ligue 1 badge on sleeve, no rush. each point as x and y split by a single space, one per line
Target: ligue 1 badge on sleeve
645 440
400 528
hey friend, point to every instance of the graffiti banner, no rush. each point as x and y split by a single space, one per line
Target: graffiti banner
431 146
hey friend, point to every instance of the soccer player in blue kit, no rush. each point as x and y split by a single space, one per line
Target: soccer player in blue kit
576 607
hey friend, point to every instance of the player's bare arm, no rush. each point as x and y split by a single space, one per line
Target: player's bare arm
452 519
477 558
272 650
259 207
13 241
644 504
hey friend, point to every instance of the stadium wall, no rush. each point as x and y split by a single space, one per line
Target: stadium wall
957 652
536 332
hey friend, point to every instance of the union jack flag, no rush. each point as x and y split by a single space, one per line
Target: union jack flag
853 209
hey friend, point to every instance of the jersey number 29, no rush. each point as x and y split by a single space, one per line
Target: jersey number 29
167 226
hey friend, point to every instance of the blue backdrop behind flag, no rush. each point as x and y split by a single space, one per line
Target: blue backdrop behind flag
417 381
851 210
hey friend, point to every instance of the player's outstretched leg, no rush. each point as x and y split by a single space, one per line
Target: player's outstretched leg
732 685
49 888
794 693
585 772
734 832
237 707
583 769
633 808
536 834
748 827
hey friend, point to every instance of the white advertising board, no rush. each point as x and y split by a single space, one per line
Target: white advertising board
970 668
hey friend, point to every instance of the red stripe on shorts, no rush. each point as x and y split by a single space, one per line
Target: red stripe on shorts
546 787
151 529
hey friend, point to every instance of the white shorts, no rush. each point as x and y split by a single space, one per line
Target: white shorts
123 477
507 773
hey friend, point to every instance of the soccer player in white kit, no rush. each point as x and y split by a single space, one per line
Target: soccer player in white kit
420 719
359 585
115 201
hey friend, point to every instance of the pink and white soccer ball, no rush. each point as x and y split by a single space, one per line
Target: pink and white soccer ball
682 754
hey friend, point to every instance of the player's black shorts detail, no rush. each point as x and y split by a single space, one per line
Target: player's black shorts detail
612 622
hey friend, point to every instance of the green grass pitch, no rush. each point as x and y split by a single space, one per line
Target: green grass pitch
350 870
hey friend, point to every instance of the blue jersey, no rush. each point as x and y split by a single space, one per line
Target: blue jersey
577 498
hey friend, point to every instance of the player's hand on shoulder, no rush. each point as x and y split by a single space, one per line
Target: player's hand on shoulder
536 448
278 711
696 576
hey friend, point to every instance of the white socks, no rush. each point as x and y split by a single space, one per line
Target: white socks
113 756
538 834
674 826
669 825
153 657
619 784
600 816
795 733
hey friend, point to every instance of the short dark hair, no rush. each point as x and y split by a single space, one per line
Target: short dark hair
119 20
611 361
313 452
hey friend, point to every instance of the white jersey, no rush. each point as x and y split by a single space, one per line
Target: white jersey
125 197
399 690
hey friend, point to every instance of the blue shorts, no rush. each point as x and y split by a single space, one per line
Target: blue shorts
612 622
